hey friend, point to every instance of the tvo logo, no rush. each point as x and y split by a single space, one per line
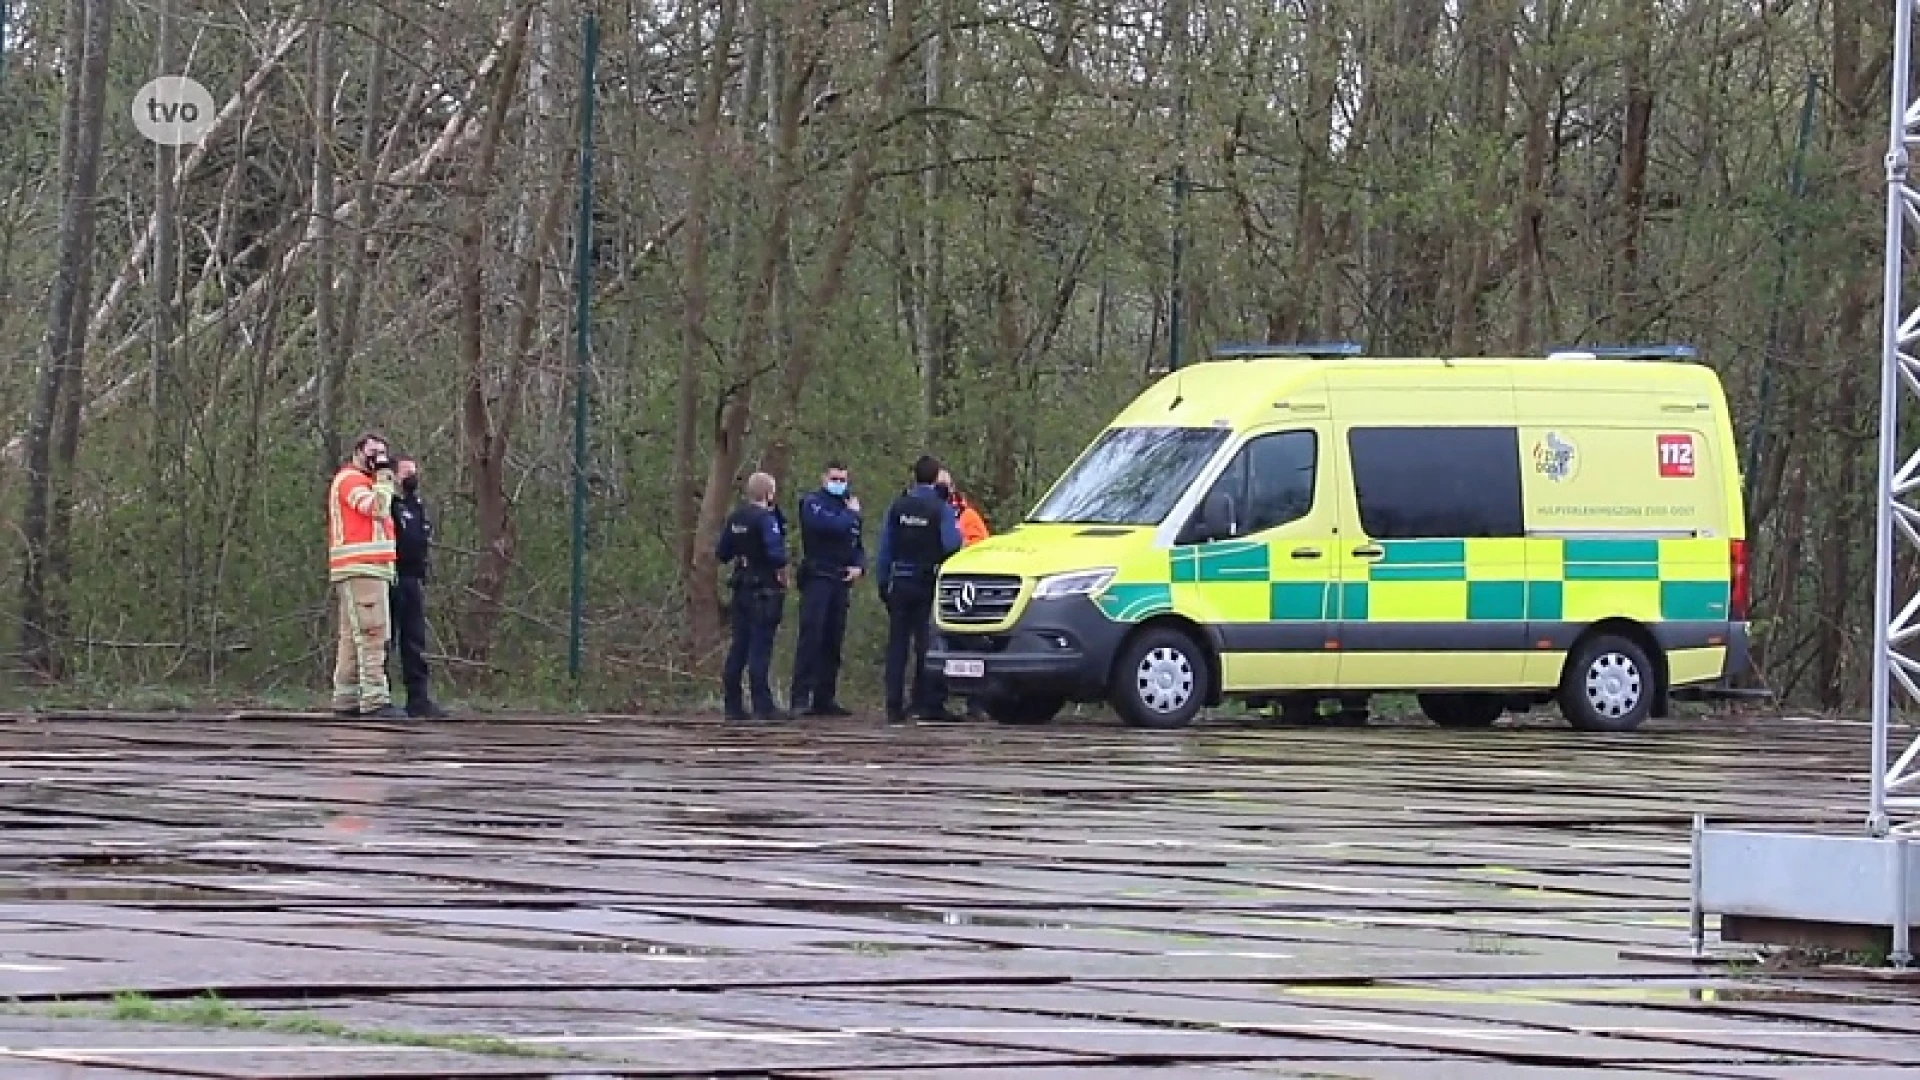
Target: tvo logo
173 110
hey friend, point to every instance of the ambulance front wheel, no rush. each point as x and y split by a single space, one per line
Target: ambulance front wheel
1609 685
1160 681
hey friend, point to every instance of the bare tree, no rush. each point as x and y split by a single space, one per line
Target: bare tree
89 36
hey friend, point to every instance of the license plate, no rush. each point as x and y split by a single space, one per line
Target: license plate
966 669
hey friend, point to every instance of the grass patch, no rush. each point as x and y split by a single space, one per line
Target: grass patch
209 1010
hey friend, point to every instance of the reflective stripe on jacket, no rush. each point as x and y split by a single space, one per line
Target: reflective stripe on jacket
359 526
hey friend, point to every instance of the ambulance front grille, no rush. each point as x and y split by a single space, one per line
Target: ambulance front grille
978 599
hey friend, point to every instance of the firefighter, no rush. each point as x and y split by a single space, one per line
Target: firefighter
360 561
919 533
753 541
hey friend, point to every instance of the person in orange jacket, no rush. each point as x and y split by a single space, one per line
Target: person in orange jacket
973 527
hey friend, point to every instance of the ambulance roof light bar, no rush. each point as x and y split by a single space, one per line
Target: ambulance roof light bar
1302 351
1625 352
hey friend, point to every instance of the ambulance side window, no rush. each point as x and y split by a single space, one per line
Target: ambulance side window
1270 482
1280 472
1437 483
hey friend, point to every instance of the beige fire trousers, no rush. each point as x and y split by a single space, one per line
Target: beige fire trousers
360 663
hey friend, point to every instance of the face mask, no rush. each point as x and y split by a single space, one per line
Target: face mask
836 487
945 493
410 485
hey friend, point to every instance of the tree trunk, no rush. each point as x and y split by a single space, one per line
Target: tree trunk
694 341
1634 145
1300 304
1010 357
930 323
331 363
789 85
366 175
166 434
1529 218
89 33
1488 25
166 269
826 287
485 428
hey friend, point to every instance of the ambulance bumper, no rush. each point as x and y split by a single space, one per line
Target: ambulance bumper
1059 648
1739 663
1739 652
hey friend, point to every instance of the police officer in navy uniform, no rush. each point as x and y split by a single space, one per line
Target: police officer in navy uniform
834 559
754 542
413 541
921 531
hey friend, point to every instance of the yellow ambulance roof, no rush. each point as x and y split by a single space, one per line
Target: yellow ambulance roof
1236 391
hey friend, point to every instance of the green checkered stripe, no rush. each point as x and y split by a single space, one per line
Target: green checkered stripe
1597 560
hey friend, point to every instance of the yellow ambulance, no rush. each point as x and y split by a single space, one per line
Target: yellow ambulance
1292 524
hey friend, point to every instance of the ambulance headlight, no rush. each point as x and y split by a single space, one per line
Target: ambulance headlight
1073 583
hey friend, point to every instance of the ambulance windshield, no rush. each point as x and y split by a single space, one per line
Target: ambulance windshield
1132 476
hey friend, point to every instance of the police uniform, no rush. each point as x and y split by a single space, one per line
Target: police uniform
754 542
919 534
413 542
830 539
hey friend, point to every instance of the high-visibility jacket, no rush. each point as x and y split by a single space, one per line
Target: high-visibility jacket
973 527
360 535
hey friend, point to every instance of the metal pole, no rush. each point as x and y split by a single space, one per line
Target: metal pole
1890 389
1901 954
1176 308
1175 328
1696 913
583 294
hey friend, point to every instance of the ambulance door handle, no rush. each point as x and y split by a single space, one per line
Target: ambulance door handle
1370 552
1306 553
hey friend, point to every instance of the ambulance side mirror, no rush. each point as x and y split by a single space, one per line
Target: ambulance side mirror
1217 518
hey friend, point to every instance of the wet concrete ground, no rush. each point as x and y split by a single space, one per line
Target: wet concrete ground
614 897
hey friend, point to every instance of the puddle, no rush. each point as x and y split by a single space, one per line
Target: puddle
624 946
721 815
118 894
883 948
1777 997
921 916
1614 994
132 865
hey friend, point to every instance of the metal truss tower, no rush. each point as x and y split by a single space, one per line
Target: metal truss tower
1781 888
1895 796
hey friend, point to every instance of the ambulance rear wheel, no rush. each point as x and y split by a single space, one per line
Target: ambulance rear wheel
1023 710
1160 681
1462 710
1608 685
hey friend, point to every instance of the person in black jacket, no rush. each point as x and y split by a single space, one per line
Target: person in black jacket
920 531
834 560
753 541
413 540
